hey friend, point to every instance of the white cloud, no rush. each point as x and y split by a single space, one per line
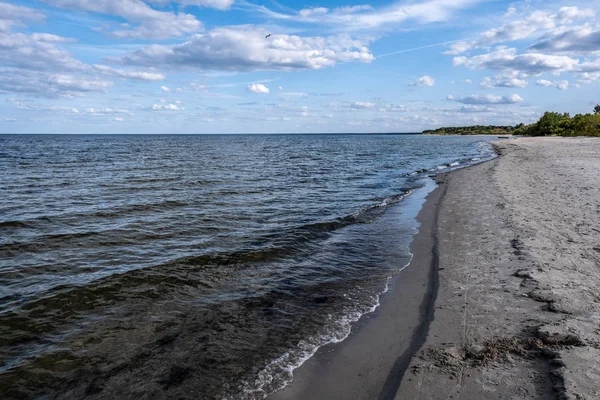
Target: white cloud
48 37
487 99
544 82
507 80
510 11
307 12
362 104
45 84
294 94
37 64
103 111
425 80
577 40
218 4
244 48
458 48
562 85
356 105
11 15
365 17
258 88
23 51
165 89
148 22
570 14
590 66
137 75
536 23
503 58
516 30
166 107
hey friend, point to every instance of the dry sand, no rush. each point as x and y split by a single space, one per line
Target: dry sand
517 312
518 309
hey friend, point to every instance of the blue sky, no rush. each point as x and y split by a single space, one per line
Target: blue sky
207 66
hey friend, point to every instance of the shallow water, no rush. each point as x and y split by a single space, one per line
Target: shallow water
196 266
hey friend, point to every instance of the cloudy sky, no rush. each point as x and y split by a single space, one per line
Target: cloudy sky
254 66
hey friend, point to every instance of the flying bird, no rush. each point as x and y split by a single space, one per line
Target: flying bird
268 36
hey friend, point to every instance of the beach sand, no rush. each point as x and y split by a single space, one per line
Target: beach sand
501 300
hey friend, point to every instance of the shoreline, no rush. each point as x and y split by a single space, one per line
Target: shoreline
515 314
375 360
415 289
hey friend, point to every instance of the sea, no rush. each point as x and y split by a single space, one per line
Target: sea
198 266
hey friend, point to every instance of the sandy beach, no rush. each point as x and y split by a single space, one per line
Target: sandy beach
500 300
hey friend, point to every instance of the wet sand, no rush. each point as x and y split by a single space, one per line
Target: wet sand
371 361
515 244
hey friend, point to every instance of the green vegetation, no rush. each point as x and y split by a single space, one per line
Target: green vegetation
551 124
472 130
557 124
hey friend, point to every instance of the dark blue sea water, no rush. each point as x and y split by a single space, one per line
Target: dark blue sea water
197 266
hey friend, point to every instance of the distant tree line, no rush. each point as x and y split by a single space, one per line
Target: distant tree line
550 124
471 130
557 124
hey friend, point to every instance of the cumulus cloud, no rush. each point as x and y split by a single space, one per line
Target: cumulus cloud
570 14
536 23
35 64
354 106
562 85
49 84
544 82
425 80
24 51
147 22
459 48
245 49
11 15
507 80
258 88
503 58
166 107
362 104
487 99
577 40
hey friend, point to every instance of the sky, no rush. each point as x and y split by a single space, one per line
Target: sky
263 66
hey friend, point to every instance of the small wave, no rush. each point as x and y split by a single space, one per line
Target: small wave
13 224
134 208
278 373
